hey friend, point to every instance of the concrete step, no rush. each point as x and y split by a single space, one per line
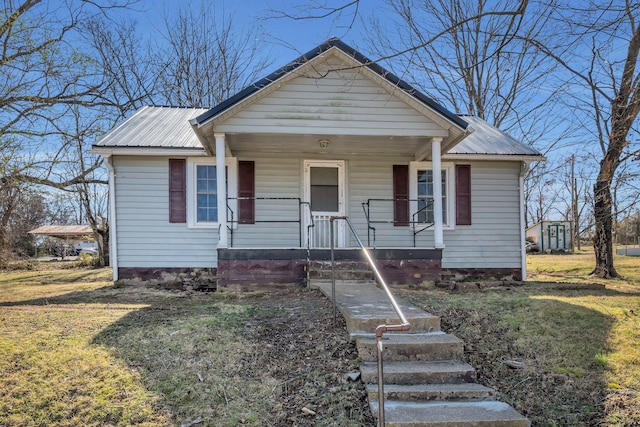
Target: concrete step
422 372
450 414
365 307
406 347
432 392
316 283
341 274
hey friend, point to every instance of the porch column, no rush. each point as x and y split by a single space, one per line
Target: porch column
436 164
221 180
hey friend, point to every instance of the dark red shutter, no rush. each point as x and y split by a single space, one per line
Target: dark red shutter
177 190
246 192
400 195
463 195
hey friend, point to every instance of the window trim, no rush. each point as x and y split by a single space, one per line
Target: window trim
232 189
449 222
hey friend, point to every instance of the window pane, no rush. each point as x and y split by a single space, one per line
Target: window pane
425 196
206 194
324 189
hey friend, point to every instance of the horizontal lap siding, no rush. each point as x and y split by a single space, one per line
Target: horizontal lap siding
145 238
372 178
274 177
493 239
343 102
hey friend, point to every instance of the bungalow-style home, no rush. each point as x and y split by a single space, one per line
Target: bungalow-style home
245 191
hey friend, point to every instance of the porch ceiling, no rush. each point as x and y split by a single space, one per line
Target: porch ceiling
337 144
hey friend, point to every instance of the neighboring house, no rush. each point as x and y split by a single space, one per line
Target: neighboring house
232 190
551 235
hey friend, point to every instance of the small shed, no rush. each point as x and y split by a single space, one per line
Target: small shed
551 235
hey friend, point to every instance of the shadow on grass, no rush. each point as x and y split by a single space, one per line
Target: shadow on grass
183 347
563 345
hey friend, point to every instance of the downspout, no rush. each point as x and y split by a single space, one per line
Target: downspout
523 248
113 243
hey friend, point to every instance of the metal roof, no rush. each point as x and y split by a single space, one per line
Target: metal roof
158 127
65 231
488 139
339 44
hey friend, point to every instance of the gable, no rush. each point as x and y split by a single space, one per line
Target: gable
333 97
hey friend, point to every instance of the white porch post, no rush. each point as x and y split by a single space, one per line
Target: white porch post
436 163
221 179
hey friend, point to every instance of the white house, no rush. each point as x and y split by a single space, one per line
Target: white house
245 190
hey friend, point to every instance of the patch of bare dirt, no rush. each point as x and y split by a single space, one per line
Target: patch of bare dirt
298 344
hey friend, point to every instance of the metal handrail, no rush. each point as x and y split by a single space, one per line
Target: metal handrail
381 329
310 225
366 207
414 222
298 221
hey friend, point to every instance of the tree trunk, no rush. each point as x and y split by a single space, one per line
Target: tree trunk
602 241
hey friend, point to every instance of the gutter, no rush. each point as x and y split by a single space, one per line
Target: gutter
147 151
113 243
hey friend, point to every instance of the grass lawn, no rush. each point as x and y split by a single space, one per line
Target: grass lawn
77 351
580 346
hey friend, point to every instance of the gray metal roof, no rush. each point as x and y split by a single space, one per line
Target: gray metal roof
157 127
488 139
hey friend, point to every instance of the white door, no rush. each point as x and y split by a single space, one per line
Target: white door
324 191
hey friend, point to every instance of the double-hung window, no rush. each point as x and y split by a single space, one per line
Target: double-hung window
425 196
421 193
202 191
206 194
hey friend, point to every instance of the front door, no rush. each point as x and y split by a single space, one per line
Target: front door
324 190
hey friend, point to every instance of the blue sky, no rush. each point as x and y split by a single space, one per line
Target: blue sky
285 38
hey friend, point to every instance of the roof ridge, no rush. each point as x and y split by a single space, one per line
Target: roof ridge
333 42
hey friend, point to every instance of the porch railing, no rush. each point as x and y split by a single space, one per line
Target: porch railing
232 221
416 225
381 329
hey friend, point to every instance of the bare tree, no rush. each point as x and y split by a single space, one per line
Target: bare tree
466 54
43 74
601 58
206 59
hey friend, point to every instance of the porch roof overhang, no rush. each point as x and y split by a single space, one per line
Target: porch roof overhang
451 128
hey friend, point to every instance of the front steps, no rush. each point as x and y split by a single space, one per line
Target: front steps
425 381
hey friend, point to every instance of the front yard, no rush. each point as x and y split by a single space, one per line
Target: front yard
576 348
75 350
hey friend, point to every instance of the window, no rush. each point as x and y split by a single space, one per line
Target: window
425 196
206 194
421 193
324 189
202 191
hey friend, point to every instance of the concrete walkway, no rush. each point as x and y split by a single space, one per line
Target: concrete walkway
426 383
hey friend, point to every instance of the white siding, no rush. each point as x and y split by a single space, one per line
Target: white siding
145 237
275 177
341 102
493 239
